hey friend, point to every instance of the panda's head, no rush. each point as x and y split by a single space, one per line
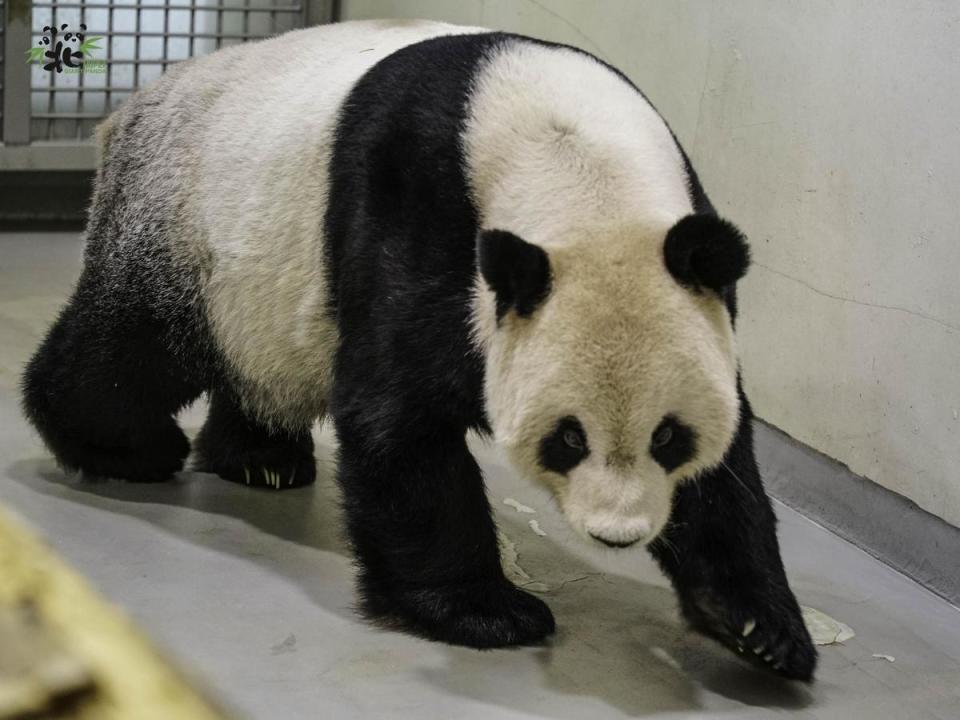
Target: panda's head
611 370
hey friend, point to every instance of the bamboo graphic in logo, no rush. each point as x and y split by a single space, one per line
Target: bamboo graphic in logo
59 49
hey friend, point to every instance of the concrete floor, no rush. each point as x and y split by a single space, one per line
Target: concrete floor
251 591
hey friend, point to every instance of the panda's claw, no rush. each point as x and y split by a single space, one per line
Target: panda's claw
769 625
260 462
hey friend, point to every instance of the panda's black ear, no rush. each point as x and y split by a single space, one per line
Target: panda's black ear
518 272
706 251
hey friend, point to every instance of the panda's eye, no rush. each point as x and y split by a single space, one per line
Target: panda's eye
672 443
572 438
565 446
661 436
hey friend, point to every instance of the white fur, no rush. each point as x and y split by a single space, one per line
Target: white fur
559 145
568 156
259 190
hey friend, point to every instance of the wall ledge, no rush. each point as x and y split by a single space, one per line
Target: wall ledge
892 528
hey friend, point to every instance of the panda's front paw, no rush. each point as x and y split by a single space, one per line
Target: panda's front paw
763 626
484 615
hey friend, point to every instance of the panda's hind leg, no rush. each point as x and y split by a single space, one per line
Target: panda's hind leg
244 450
103 388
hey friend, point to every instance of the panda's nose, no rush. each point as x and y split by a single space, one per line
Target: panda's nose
615 543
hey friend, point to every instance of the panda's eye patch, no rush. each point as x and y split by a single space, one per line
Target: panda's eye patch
672 443
565 446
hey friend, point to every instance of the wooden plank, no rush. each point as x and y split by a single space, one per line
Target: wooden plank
61 645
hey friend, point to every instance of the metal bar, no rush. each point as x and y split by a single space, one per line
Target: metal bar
16 73
193 27
54 115
108 100
80 84
318 12
2 22
186 6
88 89
219 28
136 47
48 156
166 36
50 101
213 35
136 61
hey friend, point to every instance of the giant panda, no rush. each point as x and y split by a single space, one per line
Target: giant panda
416 230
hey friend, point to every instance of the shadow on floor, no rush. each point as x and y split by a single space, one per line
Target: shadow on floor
619 639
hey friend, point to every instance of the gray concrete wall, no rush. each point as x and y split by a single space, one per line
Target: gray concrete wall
830 131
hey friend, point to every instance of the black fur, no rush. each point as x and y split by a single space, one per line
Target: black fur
681 447
408 383
518 272
706 251
721 553
557 454
242 450
102 391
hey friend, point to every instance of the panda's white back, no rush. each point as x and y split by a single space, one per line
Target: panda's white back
559 144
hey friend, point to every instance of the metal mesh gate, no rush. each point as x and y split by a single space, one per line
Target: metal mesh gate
125 44
140 39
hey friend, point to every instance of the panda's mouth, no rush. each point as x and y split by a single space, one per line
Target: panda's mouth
615 543
619 532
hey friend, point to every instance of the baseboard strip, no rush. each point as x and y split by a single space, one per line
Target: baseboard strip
885 524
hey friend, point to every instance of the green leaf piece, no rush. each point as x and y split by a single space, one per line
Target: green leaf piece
34 54
90 44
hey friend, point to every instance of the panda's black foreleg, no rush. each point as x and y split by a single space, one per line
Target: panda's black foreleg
423 534
243 450
721 553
